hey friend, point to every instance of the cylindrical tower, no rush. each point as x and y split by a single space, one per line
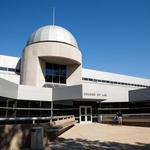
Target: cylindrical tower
51 56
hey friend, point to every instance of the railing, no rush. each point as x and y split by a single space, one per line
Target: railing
36 118
142 119
53 85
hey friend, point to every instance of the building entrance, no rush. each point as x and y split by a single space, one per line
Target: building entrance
85 114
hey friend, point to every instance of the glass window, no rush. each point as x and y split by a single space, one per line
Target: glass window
22 104
48 78
11 113
90 79
34 113
12 69
56 70
3 68
22 113
56 79
62 67
45 113
82 118
17 71
46 105
2 113
49 65
3 102
11 103
62 70
34 104
55 73
62 79
83 111
88 118
85 79
49 69
88 111
99 80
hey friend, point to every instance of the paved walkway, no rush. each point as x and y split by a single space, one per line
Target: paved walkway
103 137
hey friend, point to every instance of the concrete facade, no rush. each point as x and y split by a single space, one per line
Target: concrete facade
35 56
24 79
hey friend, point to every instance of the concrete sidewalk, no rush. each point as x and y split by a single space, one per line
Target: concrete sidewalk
103 137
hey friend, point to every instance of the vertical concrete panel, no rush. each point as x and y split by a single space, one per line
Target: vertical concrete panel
40 72
74 74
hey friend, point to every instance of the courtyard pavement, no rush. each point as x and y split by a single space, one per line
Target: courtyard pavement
103 137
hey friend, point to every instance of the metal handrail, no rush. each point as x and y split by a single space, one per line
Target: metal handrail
35 118
139 114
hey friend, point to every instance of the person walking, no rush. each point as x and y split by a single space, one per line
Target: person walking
119 114
115 119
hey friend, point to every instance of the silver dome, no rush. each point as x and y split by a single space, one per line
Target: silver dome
52 33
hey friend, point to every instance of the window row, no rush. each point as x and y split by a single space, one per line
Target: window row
10 69
10 103
113 82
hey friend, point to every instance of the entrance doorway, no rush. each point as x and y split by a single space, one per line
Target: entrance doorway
85 114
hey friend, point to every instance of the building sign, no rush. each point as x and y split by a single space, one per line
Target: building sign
92 94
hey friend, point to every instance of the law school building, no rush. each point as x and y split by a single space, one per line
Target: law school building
49 80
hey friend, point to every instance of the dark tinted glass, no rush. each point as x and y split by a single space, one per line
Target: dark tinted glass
49 66
17 71
82 111
12 69
55 73
56 70
3 68
56 79
88 118
3 103
2 113
82 118
48 78
62 79
22 104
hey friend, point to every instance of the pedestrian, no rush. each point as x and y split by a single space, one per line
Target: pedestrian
119 114
115 119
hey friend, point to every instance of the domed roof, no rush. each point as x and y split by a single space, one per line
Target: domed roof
52 33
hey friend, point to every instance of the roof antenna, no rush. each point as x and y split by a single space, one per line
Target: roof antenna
53 16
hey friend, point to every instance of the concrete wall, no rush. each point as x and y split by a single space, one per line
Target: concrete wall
107 93
85 91
10 62
88 73
12 77
139 95
67 93
36 54
34 93
92 91
8 89
74 74
22 92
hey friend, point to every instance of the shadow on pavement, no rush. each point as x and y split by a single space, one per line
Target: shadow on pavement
81 144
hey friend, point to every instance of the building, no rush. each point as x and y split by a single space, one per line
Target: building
48 80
